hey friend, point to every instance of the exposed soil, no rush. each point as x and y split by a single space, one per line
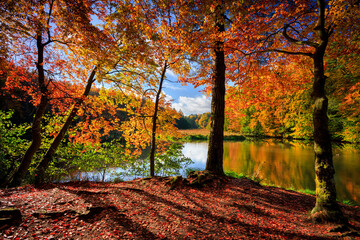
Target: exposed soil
151 209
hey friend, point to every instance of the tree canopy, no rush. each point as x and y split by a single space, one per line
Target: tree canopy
91 73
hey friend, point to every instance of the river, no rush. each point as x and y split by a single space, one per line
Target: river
274 162
289 165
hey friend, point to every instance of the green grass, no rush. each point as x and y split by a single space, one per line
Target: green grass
203 135
305 191
234 138
198 137
241 175
349 203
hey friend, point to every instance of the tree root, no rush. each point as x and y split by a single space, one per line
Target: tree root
332 216
346 230
197 179
204 178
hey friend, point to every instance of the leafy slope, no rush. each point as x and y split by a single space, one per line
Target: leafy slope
145 209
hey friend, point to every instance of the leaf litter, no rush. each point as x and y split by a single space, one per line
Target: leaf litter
146 209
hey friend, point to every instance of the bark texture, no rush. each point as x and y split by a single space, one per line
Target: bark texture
44 164
326 204
214 161
326 208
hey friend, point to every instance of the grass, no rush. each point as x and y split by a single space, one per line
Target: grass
305 191
349 203
241 175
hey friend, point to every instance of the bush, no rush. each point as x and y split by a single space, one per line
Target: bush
168 163
12 143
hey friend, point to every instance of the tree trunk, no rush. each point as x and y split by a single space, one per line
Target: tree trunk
326 208
44 164
20 173
154 119
214 161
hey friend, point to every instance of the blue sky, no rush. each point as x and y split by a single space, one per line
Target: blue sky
188 99
184 98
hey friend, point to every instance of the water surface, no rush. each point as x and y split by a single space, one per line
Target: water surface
284 164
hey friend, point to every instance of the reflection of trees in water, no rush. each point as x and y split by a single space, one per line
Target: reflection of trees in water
347 166
291 164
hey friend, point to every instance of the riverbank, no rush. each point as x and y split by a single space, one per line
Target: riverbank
203 134
148 209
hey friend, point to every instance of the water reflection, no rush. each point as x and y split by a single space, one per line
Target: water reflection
197 151
284 164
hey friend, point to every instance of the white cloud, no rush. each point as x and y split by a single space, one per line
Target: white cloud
197 151
168 98
173 86
170 73
193 105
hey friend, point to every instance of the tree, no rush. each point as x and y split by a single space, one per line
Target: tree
49 24
326 204
281 105
214 161
154 24
38 23
300 29
43 165
201 32
154 121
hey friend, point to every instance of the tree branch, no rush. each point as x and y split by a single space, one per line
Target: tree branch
299 42
286 52
276 50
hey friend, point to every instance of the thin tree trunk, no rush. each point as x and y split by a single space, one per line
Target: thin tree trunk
214 161
44 164
20 173
154 121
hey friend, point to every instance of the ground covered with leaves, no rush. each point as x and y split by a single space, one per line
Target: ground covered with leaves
162 209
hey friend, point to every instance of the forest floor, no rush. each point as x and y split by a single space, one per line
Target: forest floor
148 209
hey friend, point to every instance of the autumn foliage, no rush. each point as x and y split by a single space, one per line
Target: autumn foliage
90 73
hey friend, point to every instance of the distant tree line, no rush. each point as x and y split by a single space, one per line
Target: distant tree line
194 121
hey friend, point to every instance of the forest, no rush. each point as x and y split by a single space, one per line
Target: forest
82 84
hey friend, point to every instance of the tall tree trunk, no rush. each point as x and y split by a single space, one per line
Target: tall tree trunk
214 161
154 121
326 204
44 164
326 208
20 173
